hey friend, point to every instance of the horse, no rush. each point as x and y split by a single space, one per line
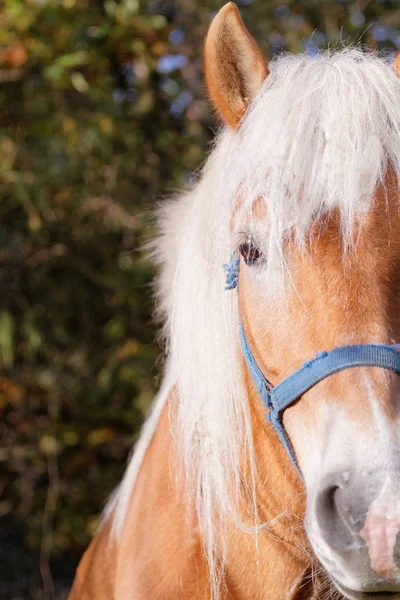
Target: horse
269 466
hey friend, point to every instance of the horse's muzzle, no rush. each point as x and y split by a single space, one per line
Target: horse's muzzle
358 522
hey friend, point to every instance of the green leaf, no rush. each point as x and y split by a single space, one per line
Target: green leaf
7 328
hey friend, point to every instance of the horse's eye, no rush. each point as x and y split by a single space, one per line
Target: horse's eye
251 254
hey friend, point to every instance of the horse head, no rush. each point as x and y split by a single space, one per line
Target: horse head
315 227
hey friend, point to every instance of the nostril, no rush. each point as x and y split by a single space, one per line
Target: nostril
340 509
331 497
327 503
340 500
333 516
337 506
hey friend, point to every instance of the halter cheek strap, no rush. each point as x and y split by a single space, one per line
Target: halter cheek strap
278 398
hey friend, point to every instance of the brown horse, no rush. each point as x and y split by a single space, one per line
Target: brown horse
303 185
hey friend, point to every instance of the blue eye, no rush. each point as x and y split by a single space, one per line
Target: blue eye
251 254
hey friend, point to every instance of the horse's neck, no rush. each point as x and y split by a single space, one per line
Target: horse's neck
161 529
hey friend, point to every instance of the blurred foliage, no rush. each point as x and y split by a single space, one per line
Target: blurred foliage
103 109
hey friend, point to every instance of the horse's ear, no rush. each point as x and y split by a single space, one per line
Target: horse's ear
396 63
234 65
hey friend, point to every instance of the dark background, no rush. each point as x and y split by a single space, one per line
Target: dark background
102 110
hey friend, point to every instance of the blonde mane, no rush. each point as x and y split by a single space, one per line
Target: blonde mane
319 137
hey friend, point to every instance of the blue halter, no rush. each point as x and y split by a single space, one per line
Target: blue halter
278 398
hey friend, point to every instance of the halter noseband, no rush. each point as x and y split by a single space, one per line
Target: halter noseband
278 398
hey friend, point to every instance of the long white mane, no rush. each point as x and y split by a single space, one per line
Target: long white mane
320 136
